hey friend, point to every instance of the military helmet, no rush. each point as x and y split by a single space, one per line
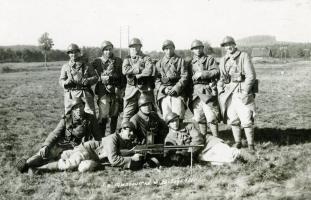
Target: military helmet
168 43
170 117
135 41
105 44
128 124
227 40
196 43
72 47
144 99
75 101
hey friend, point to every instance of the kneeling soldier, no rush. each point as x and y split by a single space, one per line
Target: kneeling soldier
76 126
88 156
172 76
149 127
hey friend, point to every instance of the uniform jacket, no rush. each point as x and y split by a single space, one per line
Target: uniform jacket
111 67
146 125
173 73
109 148
205 87
238 63
72 133
186 135
140 65
83 75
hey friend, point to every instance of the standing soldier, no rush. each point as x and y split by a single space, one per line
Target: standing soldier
236 92
139 72
77 78
109 88
172 75
204 74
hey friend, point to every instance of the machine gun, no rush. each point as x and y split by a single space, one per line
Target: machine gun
151 150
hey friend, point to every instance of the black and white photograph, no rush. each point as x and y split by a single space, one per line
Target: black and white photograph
166 99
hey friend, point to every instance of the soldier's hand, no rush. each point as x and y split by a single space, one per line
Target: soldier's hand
44 151
85 82
137 157
68 81
166 90
105 78
197 75
172 93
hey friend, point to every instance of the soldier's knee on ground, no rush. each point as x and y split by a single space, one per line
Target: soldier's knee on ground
88 166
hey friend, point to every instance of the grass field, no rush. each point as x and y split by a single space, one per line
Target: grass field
31 104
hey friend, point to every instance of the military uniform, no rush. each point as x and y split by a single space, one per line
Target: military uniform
68 134
83 77
172 73
108 150
236 95
185 135
214 149
142 66
203 101
110 91
149 129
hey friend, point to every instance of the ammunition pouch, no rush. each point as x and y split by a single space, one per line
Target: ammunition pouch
255 87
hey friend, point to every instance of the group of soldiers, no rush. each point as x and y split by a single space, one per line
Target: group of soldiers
139 86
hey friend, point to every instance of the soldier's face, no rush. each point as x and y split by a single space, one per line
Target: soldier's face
230 48
146 109
169 51
107 51
197 51
78 111
74 55
135 49
127 134
174 124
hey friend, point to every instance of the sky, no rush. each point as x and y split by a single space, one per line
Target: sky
89 22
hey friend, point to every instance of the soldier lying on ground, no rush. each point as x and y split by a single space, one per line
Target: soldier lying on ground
90 155
214 151
76 126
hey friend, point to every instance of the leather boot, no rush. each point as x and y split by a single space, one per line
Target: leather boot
113 124
249 133
35 161
102 126
237 133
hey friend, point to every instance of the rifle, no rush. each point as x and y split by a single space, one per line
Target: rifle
158 149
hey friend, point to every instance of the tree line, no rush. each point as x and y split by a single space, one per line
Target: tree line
37 55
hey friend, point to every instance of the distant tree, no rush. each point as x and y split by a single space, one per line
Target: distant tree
45 44
300 53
